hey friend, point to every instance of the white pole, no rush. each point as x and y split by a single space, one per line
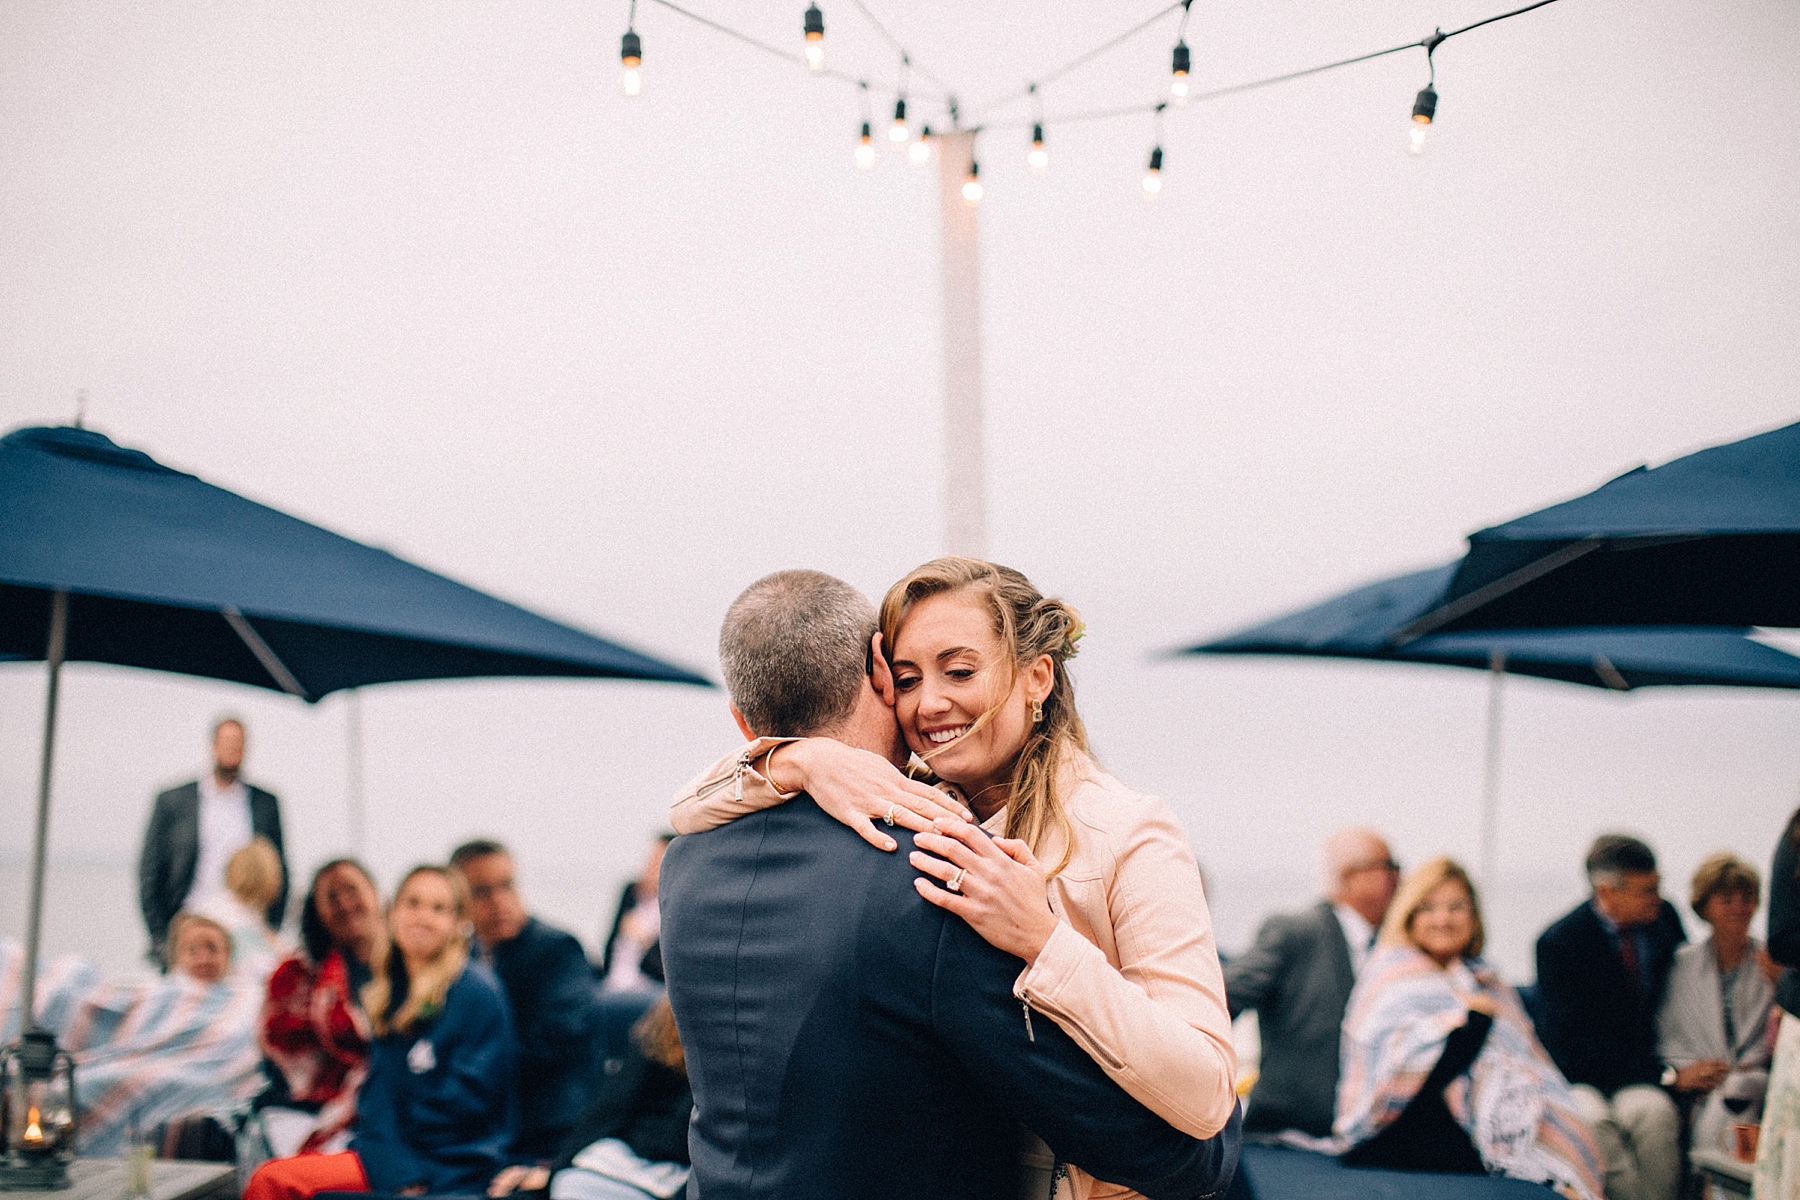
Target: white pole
53 655
353 745
1490 792
965 508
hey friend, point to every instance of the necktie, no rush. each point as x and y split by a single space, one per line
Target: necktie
1628 952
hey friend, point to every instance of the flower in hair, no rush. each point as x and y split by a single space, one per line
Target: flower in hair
1075 634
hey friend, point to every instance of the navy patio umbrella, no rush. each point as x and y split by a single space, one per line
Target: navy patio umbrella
1363 623
1709 539
108 556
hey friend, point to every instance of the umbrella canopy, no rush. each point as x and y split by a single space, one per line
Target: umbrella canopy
1709 539
167 572
1362 624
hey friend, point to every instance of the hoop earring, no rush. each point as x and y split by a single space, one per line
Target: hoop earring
1037 711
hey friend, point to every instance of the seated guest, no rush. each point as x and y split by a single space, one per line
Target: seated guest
632 960
436 1113
183 1054
551 989
1715 1015
314 1036
1298 976
1602 971
253 880
1441 1071
632 1142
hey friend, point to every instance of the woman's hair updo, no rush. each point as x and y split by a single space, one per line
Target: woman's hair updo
1029 625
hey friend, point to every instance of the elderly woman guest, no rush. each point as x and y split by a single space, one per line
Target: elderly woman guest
1715 1015
313 1032
437 1111
1092 885
1441 1069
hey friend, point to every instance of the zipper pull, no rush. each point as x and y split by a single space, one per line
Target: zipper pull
1028 1031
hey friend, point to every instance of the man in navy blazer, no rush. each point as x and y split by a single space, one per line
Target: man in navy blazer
1602 971
844 1038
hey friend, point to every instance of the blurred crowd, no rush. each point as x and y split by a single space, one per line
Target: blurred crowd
449 1042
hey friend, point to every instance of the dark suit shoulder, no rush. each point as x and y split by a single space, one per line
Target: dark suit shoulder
181 791
1577 924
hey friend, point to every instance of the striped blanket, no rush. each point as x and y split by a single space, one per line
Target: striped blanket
1513 1102
145 1053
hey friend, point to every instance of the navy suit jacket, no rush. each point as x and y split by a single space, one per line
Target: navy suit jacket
1598 1025
846 1038
553 994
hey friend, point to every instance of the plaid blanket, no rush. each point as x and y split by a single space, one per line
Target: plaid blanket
1513 1102
145 1053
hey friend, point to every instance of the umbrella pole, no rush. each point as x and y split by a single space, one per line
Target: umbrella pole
59 631
1490 784
353 746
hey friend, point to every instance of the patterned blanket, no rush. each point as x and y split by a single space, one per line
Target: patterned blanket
145 1053
1513 1102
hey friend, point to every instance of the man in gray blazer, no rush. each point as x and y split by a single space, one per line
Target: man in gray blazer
196 828
1298 976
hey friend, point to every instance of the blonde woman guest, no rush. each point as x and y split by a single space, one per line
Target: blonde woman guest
253 879
437 1110
1714 1019
1093 885
1441 1070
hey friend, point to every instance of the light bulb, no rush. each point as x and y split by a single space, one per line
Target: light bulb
865 149
919 153
897 132
1153 176
631 58
1039 158
815 38
1423 113
972 185
1178 85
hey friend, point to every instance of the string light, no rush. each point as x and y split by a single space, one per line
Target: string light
1153 175
1425 103
1180 88
814 26
919 153
631 56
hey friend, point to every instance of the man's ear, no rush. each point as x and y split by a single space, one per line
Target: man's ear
743 725
880 674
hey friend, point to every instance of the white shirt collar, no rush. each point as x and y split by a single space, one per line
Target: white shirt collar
1359 935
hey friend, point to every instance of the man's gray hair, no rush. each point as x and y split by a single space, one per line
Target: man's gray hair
794 649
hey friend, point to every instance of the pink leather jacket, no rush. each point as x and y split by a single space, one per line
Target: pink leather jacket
1132 971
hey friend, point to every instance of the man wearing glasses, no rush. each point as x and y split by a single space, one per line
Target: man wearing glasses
1298 976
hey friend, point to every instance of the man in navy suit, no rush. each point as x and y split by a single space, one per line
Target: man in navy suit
844 1038
1602 971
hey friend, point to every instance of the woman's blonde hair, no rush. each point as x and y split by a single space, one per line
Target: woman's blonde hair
1396 928
658 1038
423 996
254 873
1029 625
1724 874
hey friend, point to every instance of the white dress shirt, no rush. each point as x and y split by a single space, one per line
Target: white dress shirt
224 830
1359 935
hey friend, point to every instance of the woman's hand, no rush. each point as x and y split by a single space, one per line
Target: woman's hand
518 1179
1702 1076
858 788
998 885
1480 1002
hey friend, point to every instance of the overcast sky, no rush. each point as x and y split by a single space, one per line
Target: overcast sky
421 273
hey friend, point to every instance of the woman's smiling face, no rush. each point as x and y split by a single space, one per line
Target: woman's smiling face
949 668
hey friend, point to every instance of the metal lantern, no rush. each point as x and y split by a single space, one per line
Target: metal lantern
37 1101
